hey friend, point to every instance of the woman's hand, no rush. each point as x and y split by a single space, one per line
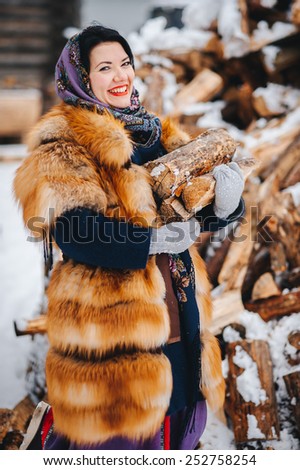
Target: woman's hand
175 237
229 188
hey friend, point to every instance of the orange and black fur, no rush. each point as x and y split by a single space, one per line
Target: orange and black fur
82 159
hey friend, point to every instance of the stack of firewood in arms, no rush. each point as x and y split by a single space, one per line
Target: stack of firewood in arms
238 97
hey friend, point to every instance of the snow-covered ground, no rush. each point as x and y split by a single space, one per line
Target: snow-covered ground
21 294
21 290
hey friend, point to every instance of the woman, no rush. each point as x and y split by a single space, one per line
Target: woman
127 366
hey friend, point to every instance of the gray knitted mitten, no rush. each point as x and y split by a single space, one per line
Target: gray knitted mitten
175 237
229 188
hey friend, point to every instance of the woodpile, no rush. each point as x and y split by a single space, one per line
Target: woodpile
238 94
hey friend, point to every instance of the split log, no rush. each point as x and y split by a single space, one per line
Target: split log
233 270
204 86
265 287
295 16
292 178
284 163
292 382
7 419
12 441
286 57
23 412
227 308
29 106
292 348
199 191
283 225
172 172
33 326
154 98
274 307
215 263
269 144
252 399
278 261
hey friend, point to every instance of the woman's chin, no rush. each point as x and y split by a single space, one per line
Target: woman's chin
120 102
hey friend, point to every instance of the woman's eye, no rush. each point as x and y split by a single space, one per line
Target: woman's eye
126 64
103 69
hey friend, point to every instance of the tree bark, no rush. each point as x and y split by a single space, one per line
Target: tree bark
172 172
292 382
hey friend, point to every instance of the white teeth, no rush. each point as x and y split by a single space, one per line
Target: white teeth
119 90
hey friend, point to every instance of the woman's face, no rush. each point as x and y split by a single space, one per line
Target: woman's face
111 74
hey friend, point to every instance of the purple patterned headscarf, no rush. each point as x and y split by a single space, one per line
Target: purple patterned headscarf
73 87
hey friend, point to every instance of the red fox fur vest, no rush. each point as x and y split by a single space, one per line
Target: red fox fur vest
80 158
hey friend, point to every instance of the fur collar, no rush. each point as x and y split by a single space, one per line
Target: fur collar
101 134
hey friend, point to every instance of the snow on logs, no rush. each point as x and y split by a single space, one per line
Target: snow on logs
182 179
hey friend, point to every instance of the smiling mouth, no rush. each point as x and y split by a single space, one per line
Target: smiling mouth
119 91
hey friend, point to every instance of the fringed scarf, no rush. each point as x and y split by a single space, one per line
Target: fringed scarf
183 277
73 87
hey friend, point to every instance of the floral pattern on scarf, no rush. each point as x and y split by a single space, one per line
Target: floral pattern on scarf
181 276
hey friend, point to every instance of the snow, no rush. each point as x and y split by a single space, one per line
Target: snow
154 35
21 291
202 14
253 430
236 42
278 98
279 29
254 392
270 54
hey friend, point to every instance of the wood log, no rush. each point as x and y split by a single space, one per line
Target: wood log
283 163
292 348
21 108
295 12
227 308
23 412
233 270
12 441
204 86
286 57
7 419
292 178
154 98
292 382
269 145
253 407
283 225
198 193
265 287
274 307
33 326
171 172
278 261
215 263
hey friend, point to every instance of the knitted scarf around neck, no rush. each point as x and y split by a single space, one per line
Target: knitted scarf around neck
73 87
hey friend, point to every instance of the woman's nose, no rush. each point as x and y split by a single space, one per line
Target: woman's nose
120 75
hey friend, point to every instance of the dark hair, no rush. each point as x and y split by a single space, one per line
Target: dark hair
96 34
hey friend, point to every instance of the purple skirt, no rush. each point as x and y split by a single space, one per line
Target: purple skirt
179 440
